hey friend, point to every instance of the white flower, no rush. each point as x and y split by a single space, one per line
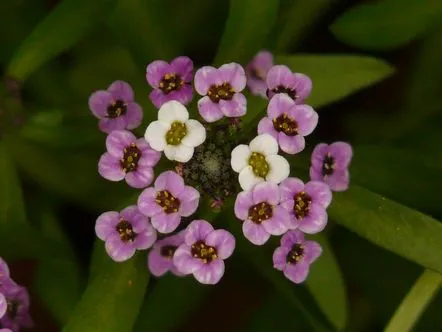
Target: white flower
174 133
259 161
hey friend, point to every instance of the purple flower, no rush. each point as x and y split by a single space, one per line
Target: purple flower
204 251
221 90
167 201
288 123
256 72
17 311
125 232
4 271
330 164
280 79
306 204
160 258
128 158
116 108
295 255
3 305
170 81
262 215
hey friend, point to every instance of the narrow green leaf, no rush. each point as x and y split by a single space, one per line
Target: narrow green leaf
416 301
171 294
390 225
113 297
337 76
386 24
247 28
61 29
326 284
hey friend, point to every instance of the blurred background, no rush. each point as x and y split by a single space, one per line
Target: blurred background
376 68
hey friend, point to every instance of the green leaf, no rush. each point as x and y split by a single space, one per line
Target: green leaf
171 294
326 284
386 24
113 297
337 76
390 225
415 302
247 28
61 29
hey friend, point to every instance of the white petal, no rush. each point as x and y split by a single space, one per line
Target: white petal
279 168
264 144
180 153
196 134
240 157
156 135
173 111
247 179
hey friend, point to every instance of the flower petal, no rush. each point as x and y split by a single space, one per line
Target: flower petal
99 101
171 182
105 224
121 90
117 141
243 203
182 66
312 250
277 75
108 125
319 192
291 144
166 223
297 273
181 153
234 108
119 251
211 273
279 168
134 115
189 199
209 110
280 258
184 262
149 157
196 134
3 305
223 241
292 237
315 221
172 111
247 179
155 72
204 78
339 180
290 187
342 153
146 239
279 223
306 118
240 157
197 230
156 135
264 144
266 192
318 155
158 265
140 178
255 233
147 204
234 74
279 104
303 87
265 126
109 167
158 98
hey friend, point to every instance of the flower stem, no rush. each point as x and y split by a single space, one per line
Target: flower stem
416 301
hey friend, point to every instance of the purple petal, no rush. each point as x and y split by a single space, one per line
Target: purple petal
158 98
130 213
280 258
263 60
197 230
292 237
109 167
118 250
121 91
223 241
183 95
99 101
171 182
306 118
134 115
145 239
147 204
257 87
107 125
265 126
290 187
243 203
279 104
315 221
279 223
278 75
266 192
3 305
303 87
209 110
296 273
182 66
155 72
184 262
312 250
342 153
204 78
210 274
338 181
140 178
189 199
291 144
318 155
149 157
165 223
234 108
315 174
255 233
234 74
158 265
319 192
117 141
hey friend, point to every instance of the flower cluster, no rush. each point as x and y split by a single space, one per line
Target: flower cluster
14 303
215 159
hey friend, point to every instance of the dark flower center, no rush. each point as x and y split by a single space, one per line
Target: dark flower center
286 124
223 91
259 164
168 251
328 166
204 252
130 159
171 82
116 109
295 255
167 201
260 212
12 308
283 89
125 230
176 133
303 203
257 74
